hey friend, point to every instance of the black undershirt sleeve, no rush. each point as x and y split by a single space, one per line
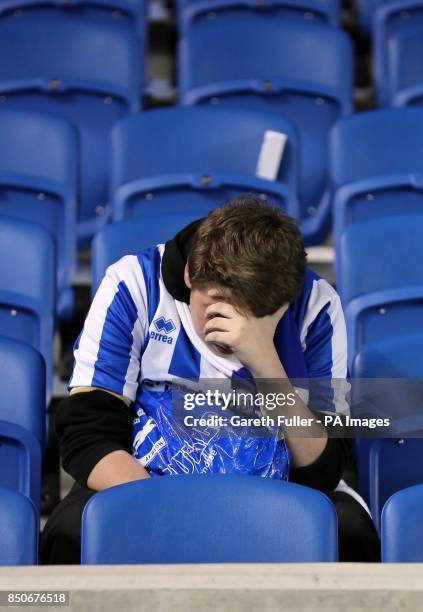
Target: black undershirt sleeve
335 462
327 470
91 425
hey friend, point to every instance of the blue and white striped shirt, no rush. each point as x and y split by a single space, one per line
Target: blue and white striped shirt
137 335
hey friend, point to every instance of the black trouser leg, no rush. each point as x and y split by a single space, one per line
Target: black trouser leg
357 536
60 542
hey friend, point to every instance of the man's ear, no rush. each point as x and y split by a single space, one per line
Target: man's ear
186 277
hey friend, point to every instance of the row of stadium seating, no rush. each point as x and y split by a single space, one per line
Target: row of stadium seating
210 518
309 82
210 156
397 27
83 62
378 223
61 138
216 57
190 12
195 172
374 16
100 79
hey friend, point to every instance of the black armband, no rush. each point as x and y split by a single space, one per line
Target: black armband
90 425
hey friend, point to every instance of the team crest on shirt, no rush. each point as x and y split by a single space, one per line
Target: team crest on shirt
164 328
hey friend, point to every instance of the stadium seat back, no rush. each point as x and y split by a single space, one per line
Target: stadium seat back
396 358
382 297
388 381
22 417
314 118
371 256
397 27
38 183
84 71
123 13
395 464
192 12
22 324
207 522
301 70
20 457
380 202
28 287
391 316
19 528
374 165
401 527
405 79
210 156
131 236
22 387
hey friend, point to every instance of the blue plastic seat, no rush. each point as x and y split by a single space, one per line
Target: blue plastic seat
374 165
206 157
405 80
402 527
302 71
119 12
190 12
38 183
28 287
22 417
212 518
395 464
397 52
379 267
397 358
83 70
131 236
19 528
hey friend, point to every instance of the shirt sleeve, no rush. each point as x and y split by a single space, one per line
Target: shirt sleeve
324 342
107 351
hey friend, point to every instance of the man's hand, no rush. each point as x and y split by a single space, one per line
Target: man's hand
249 337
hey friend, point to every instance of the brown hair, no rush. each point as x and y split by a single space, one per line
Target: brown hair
253 249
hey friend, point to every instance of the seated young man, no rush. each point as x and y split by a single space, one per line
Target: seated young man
229 298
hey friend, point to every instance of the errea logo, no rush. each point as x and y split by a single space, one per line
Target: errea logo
164 328
166 325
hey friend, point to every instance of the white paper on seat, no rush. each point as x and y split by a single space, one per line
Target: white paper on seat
270 156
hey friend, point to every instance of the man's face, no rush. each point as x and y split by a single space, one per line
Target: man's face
199 302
